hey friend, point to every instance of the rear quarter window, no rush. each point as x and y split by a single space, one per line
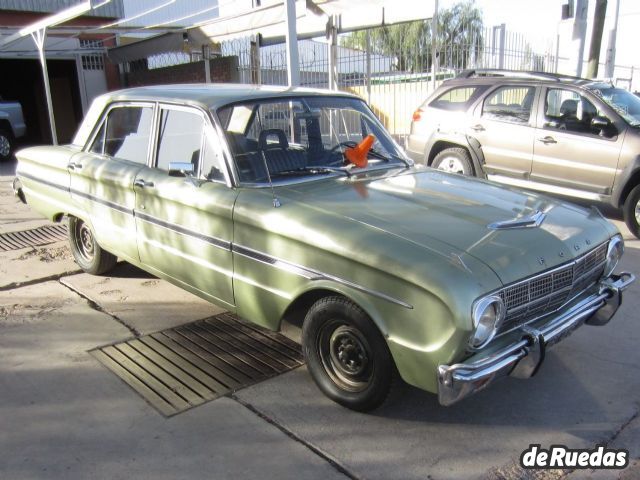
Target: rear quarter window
457 98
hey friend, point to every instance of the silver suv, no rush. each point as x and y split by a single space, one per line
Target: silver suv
554 133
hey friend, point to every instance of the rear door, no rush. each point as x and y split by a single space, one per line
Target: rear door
184 223
503 125
568 151
102 176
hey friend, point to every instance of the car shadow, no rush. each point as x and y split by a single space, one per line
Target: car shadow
126 270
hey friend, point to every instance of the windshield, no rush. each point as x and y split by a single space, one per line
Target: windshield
305 136
624 103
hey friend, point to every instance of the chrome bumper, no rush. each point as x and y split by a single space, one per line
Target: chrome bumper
523 358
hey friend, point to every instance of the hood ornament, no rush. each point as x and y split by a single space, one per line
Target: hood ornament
530 221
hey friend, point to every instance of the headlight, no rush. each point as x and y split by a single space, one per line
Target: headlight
614 253
487 315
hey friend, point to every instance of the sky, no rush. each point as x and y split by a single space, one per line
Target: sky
538 20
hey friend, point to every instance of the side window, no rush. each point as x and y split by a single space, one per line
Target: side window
180 138
457 98
509 104
570 111
125 134
212 159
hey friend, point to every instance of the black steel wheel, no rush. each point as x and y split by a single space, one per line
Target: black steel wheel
631 211
87 253
346 354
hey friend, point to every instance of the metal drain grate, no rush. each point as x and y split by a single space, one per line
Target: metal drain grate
182 367
32 238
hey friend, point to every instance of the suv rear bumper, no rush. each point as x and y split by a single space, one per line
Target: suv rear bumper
522 359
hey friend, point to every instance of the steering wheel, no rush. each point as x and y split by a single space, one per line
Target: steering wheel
330 153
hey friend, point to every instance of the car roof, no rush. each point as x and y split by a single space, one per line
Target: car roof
495 77
215 95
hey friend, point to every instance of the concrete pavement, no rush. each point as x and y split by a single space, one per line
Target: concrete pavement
63 415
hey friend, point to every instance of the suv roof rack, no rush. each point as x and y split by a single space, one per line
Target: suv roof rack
490 72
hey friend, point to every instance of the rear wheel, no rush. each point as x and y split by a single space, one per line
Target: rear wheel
87 253
631 210
346 355
6 144
454 160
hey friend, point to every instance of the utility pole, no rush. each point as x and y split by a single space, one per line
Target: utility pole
596 38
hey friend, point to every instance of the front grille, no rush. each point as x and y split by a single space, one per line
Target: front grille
547 292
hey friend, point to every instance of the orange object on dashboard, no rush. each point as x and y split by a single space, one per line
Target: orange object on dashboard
358 154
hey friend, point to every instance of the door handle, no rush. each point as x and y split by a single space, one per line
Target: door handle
142 184
74 166
547 140
478 128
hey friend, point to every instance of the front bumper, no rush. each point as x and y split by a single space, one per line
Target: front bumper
523 358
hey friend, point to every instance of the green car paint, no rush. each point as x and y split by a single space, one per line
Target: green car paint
411 246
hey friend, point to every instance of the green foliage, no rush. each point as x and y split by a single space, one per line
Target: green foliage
460 28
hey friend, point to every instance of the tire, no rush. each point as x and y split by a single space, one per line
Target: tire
631 211
89 256
346 354
6 144
454 160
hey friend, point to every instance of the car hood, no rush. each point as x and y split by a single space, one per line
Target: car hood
420 206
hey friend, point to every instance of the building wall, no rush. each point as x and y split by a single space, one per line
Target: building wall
223 70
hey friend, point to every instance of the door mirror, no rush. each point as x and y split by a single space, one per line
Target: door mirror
603 126
600 122
180 169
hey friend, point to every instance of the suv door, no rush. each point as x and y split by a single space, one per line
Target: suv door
102 176
503 125
568 151
184 222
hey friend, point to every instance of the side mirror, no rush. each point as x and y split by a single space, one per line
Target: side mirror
601 123
180 169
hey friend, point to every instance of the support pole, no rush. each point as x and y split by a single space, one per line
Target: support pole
434 46
332 37
368 65
293 62
39 37
610 64
206 56
255 70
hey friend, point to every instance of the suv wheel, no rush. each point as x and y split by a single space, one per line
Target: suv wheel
6 144
453 160
631 210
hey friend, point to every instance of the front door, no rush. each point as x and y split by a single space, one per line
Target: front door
184 222
502 125
568 151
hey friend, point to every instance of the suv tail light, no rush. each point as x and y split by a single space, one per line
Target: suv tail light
417 115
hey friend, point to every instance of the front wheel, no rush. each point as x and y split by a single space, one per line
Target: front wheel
346 355
454 160
631 211
89 256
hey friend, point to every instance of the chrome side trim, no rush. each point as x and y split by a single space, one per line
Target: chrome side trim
311 274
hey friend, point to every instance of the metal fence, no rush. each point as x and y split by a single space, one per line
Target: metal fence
390 67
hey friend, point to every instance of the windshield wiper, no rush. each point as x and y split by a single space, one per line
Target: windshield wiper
315 171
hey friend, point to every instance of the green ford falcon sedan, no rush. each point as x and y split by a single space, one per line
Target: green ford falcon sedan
296 204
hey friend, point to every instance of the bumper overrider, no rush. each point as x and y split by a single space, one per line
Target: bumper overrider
523 358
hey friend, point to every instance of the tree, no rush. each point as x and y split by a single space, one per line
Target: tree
460 32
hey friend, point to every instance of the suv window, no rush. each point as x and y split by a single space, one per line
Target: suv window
458 98
509 104
125 134
180 138
568 110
